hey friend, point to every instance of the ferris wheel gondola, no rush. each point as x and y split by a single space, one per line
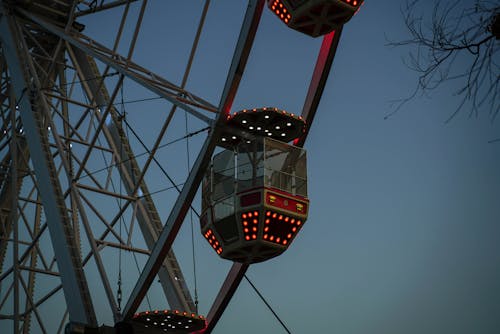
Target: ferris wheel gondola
254 194
314 17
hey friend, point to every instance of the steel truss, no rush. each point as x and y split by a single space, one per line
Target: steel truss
58 120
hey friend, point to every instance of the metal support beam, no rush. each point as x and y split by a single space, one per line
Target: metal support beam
318 80
24 83
142 76
171 276
7 192
104 6
13 174
225 294
183 202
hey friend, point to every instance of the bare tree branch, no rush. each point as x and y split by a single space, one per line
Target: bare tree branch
458 43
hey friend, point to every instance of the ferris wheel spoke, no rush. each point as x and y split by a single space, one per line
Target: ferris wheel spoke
171 277
96 255
146 78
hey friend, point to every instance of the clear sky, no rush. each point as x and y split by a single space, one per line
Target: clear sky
403 234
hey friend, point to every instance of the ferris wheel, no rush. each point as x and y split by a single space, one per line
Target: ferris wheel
75 179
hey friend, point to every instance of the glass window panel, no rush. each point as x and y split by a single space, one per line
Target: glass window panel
223 175
224 208
285 167
250 170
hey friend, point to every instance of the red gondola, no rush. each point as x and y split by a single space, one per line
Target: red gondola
255 192
314 17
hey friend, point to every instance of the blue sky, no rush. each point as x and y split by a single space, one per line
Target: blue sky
404 228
